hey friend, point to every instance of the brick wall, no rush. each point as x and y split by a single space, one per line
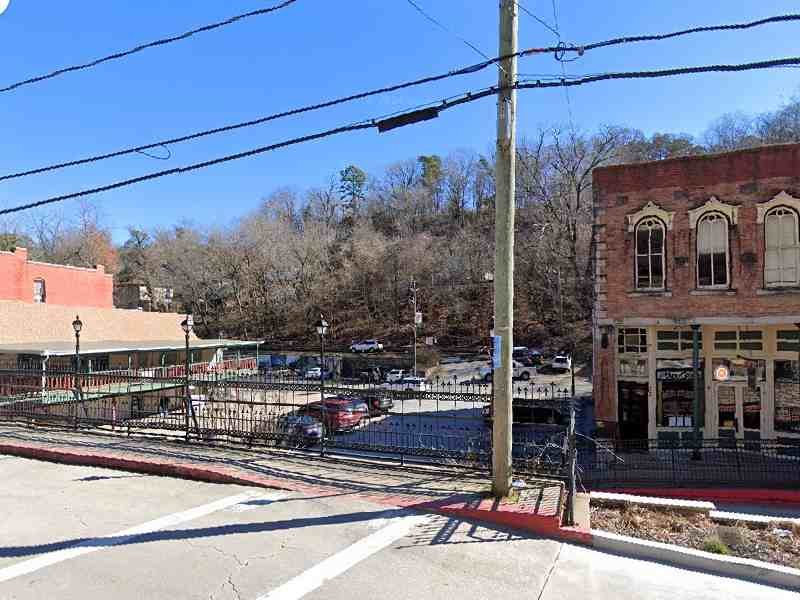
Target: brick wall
743 179
64 285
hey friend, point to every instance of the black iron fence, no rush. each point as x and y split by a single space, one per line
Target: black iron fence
438 420
725 462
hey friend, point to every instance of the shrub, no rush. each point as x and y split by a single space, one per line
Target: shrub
715 546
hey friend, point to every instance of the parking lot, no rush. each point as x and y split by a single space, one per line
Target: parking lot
85 533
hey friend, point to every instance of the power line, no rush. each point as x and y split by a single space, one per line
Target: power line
682 32
458 72
541 21
443 27
468 70
563 71
141 47
471 96
189 168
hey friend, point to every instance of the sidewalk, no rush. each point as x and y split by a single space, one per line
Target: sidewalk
446 490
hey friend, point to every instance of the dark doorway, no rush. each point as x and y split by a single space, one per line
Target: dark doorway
632 410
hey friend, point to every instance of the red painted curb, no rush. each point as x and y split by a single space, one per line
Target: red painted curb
455 506
743 495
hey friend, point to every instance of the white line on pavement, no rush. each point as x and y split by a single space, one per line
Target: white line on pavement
100 543
335 565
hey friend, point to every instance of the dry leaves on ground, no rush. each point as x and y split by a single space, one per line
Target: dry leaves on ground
774 544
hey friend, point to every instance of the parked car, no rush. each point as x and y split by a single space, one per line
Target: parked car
561 362
371 375
378 405
317 373
528 412
395 375
521 371
338 414
413 384
298 430
366 346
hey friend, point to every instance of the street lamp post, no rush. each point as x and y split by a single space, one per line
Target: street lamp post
187 324
322 329
77 325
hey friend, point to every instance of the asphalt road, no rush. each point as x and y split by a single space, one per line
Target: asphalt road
92 534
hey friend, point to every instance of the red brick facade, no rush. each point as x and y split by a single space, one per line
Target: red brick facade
742 180
63 285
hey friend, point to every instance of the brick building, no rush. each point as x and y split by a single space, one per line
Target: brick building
37 282
699 254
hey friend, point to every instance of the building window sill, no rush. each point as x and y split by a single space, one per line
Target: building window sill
649 293
712 292
777 290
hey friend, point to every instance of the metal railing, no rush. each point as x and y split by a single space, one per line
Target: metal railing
685 463
441 421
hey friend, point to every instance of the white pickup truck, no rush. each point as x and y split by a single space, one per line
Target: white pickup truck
366 346
520 371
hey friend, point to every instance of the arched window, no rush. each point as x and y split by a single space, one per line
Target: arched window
781 248
39 291
712 251
650 254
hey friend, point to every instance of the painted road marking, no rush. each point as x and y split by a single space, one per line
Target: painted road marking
100 543
335 565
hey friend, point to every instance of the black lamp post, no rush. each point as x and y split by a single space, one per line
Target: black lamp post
187 324
322 329
77 325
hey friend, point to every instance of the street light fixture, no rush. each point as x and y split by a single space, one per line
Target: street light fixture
187 325
322 329
77 326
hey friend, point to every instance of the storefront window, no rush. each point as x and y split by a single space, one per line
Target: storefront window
787 396
677 340
675 393
788 341
738 340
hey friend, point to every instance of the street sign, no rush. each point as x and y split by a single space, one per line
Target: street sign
497 345
418 318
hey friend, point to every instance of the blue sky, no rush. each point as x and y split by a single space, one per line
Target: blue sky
319 49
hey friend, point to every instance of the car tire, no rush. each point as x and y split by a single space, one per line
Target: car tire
487 378
526 375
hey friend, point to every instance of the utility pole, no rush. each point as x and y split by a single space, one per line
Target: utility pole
504 250
413 289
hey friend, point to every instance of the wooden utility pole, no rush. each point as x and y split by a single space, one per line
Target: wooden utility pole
504 251
413 289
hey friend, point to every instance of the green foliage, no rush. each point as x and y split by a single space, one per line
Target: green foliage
716 546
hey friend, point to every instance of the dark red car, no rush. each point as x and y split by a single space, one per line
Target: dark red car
339 414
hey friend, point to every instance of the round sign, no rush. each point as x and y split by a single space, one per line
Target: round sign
721 373
3 6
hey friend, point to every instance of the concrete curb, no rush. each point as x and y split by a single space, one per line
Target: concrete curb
726 566
733 495
686 506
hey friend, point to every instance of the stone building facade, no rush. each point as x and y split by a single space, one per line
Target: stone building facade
707 244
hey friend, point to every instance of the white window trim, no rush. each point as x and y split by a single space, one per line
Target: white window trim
663 256
730 211
651 209
782 199
796 214
717 286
